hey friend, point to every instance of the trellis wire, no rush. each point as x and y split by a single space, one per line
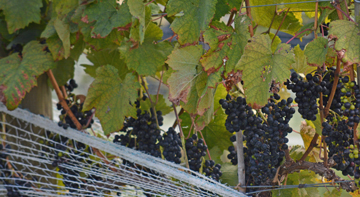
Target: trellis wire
29 167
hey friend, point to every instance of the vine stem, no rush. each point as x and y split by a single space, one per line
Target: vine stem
316 19
64 91
296 35
248 13
157 94
231 17
272 21
151 101
62 100
181 112
71 115
277 31
241 162
182 136
207 149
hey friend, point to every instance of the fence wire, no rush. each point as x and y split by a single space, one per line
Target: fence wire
39 158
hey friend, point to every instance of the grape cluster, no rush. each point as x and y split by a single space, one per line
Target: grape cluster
85 119
195 150
340 143
307 92
346 100
211 170
233 155
142 133
264 132
171 144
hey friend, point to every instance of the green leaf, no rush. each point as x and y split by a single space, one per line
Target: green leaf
77 48
303 177
111 96
222 8
184 61
160 106
348 39
108 15
64 7
316 51
230 49
63 31
146 58
63 71
196 18
137 9
215 133
263 16
49 29
300 65
276 42
260 67
111 41
229 174
19 13
56 47
18 75
104 57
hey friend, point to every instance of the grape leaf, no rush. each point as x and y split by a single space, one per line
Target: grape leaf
160 106
196 18
64 7
111 41
146 58
19 13
63 71
49 29
316 51
300 65
260 67
108 14
137 9
303 177
229 49
63 31
111 96
18 75
184 61
222 8
348 39
56 47
263 16
104 57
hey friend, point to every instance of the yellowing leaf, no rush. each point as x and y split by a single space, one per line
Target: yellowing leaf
261 66
184 61
300 65
348 39
110 96
264 14
316 51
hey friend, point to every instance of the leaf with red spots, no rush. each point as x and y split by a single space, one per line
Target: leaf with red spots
111 96
18 75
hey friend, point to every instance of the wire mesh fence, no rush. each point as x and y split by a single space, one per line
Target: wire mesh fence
38 158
